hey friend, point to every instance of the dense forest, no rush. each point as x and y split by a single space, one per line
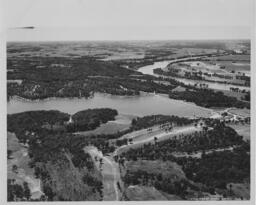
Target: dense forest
23 124
208 98
217 169
46 77
151 120
90 119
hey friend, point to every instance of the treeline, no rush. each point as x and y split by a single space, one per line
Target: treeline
90 119
46 69
86 87
149 121
247 97
208 98
32 121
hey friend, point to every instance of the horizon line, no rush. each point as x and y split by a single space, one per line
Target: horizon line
126 40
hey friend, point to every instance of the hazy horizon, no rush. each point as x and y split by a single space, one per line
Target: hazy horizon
128 34
68 20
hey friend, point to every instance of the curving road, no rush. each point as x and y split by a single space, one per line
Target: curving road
110 173
110 169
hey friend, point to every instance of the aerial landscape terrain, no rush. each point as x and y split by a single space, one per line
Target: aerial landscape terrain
128 120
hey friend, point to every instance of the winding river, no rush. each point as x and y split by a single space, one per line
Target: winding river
213 85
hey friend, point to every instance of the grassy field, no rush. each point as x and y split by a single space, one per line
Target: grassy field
121 122
167 169
241 190
107 128
143 193
240 112
232 58
235 65
243 130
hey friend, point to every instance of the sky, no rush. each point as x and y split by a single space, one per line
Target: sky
127 19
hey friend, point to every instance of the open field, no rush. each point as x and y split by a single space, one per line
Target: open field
241 190
243 130
146 193
211 70
232 58
240 112
168 169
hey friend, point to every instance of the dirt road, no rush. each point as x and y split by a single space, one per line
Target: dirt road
110 173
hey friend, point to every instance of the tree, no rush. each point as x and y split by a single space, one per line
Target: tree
230 188
9 152
27 193
15 168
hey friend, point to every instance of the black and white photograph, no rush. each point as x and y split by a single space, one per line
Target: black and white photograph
128 100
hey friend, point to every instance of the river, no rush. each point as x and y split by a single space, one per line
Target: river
212 85
145 104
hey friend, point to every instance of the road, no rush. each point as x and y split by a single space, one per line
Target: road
111 176
110 173
142 136
110 169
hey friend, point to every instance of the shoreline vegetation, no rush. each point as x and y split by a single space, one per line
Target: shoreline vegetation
164 74
82 77
212 102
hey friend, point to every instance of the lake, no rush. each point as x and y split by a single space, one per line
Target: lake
145 104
